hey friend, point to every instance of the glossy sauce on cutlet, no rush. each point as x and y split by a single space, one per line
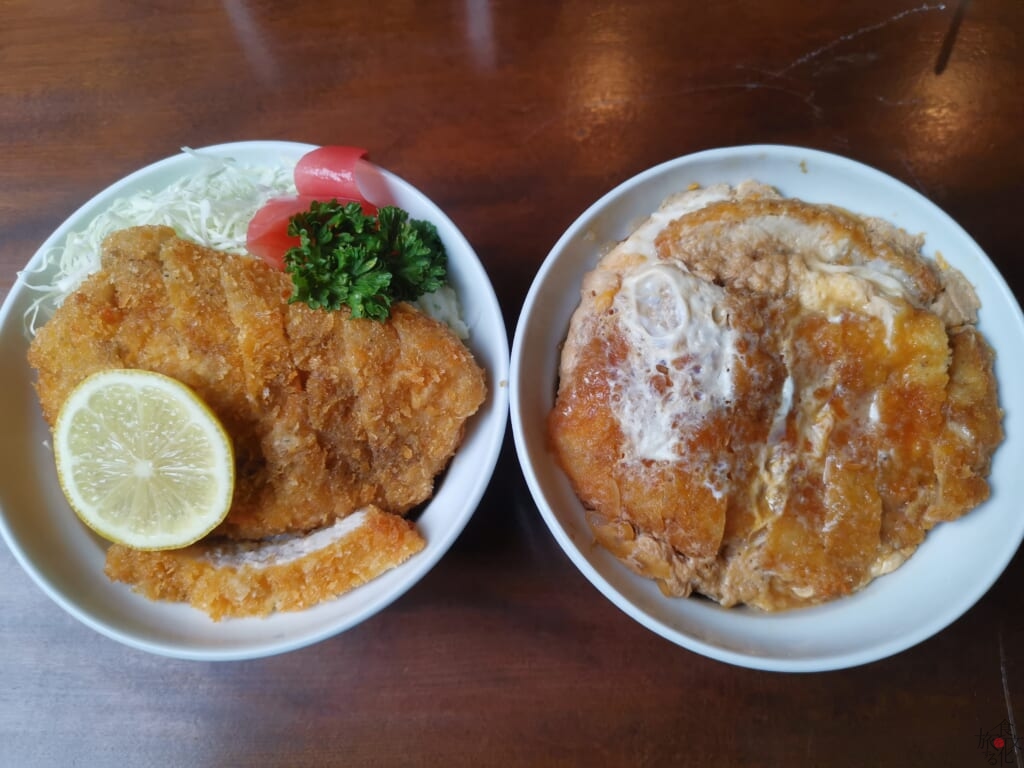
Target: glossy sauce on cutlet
756 402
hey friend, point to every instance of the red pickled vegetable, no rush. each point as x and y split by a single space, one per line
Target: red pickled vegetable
267 235
323 174
329 172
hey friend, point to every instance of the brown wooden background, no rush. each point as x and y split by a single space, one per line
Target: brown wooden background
514 116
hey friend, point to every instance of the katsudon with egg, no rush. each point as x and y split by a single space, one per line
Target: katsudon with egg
770 402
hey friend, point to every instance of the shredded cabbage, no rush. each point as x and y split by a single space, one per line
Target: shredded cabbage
212 207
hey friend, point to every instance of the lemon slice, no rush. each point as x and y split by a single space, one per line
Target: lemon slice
142 460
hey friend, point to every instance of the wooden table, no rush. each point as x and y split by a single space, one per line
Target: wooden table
513 117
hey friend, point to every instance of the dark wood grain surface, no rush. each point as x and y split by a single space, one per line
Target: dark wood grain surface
513 117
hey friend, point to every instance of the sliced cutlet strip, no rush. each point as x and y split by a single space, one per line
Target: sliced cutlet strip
201 325
200 330
321 342
256 301
80 344
286 573
105 323
292 470
389 400
132 266
766 245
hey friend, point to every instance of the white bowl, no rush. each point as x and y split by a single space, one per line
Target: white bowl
958 561
67 562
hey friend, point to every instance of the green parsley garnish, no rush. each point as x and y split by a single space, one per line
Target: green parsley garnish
366 263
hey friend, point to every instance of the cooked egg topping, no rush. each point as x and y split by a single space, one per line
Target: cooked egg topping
758 401
681 355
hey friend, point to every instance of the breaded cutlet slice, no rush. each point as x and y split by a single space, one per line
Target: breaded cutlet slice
291 572
327 413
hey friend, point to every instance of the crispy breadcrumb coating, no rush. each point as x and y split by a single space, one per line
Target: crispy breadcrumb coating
291 572
336 423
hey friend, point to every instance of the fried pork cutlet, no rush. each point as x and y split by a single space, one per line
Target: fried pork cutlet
290 572
770 402
328 414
